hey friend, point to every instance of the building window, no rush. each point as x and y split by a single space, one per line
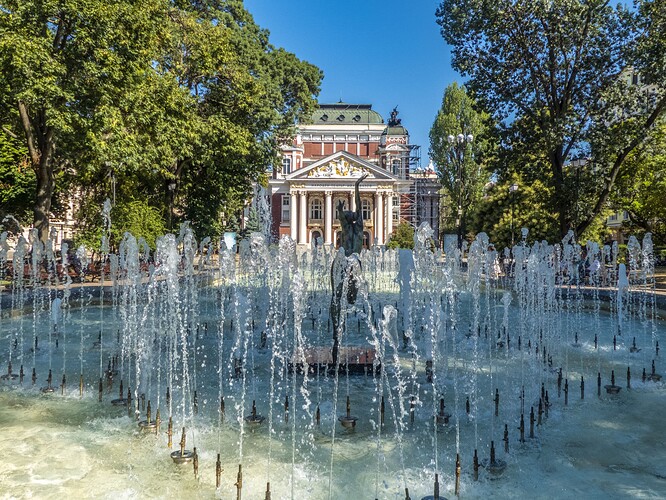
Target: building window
366 239
612 217
286 208
316 209
366 209
286 166
315 239
396 209
396 163
335 206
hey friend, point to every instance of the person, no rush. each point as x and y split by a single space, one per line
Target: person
352 223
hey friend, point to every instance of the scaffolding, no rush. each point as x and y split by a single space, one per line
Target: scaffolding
409 200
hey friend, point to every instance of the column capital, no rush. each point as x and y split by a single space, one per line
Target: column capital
328 192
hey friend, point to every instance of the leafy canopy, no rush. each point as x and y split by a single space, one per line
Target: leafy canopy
177 103
460 166
554 72
402 237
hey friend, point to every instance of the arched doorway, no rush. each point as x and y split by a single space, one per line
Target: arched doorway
315 238
366 239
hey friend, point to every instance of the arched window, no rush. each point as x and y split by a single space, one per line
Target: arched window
366 239
315 239
316 210
335 207
366 209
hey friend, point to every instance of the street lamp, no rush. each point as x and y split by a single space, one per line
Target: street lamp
512 190
458 145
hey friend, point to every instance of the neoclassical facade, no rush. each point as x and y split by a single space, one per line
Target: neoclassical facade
322 165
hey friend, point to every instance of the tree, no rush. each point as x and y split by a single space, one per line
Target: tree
643 193
64 65
558 69
252 223
17 181
181 103
249 95
460 164
402 237
504 211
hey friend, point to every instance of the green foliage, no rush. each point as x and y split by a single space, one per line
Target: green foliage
17 181
555 74
249 96
460 166
642 193
64 66
89 228
252 224
402 237
502 213
178 103
136 217
233 226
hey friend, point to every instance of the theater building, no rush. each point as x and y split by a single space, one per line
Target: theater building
321 166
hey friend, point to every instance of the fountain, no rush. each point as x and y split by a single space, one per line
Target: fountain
198 334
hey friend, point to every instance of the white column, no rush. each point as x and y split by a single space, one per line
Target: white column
352 203
380 219
303 219
293 213
328 218
389 216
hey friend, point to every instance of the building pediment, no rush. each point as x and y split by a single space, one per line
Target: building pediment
343 166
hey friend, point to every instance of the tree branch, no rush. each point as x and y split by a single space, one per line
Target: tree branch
33 151
10 133
619 161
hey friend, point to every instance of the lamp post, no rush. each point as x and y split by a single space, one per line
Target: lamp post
458 151
512 192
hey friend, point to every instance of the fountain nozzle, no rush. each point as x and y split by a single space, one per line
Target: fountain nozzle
183 456
218 471
612 388
348 421
239 482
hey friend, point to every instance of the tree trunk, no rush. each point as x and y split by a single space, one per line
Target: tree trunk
39 140
42 207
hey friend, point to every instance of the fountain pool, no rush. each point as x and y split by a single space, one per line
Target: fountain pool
221 331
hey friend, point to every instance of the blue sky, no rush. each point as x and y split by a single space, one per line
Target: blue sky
386 53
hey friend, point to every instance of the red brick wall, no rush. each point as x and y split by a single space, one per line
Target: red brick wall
312 149
276 213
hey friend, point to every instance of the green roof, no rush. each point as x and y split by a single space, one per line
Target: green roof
343 113
397 130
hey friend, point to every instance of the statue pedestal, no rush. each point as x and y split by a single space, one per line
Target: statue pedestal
353 359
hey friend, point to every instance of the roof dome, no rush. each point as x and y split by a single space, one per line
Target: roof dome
343 113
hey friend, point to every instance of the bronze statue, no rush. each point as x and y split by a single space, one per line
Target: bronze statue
394 121
345 269
352 223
